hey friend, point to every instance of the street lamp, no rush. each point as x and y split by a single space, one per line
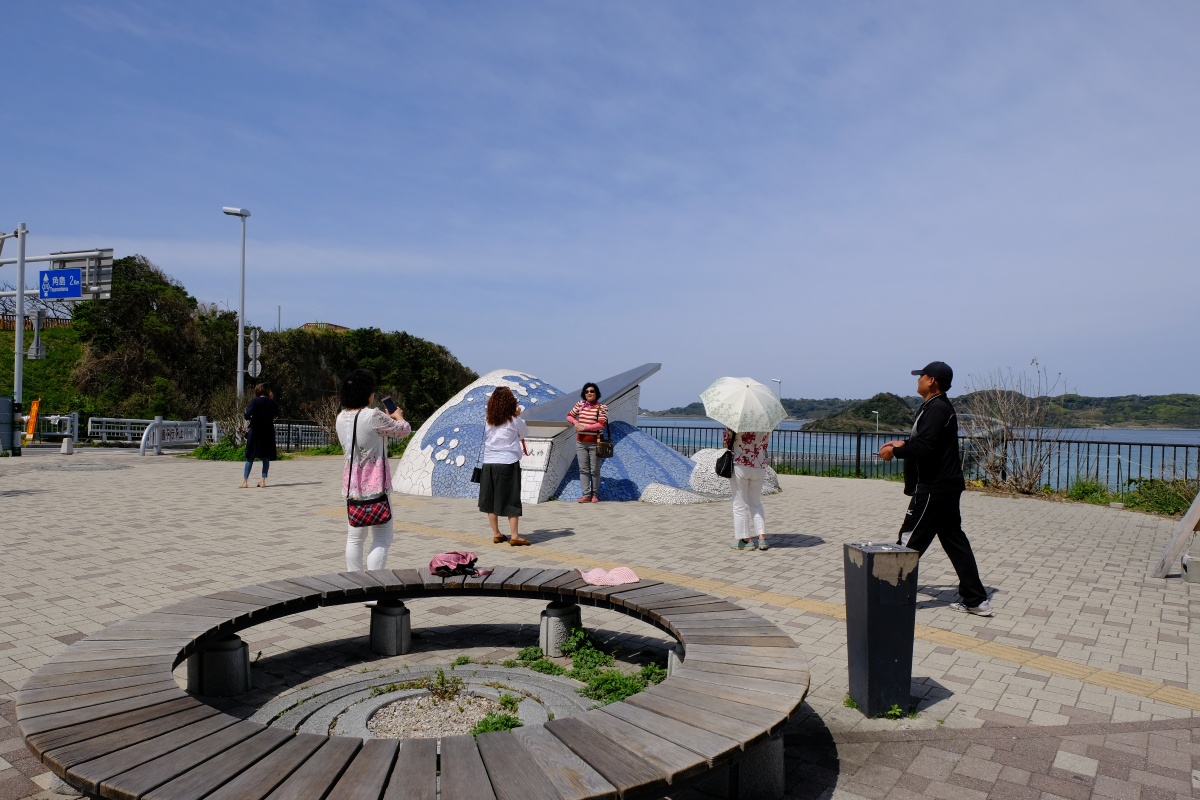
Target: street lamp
876 413
241 360
779 386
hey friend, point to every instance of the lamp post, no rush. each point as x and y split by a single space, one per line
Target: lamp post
876 413
241 359
778 386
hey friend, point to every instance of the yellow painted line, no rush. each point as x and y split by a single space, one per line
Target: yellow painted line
1131 684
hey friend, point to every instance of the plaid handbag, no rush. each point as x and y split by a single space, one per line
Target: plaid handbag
369 510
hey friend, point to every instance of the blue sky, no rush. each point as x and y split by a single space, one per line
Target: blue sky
829 193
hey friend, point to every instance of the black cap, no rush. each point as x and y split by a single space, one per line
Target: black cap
938 370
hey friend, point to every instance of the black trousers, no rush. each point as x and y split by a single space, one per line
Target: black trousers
931 515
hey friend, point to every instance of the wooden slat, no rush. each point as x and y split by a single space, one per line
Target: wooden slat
134 783
62 757
205 777
618 765
316 585
567 588
782 640
463 775
292 594
261 779
734 620
570 775
368 773
535 583
308 593
747 655
773 702
711 746
43 742
639 597
772 673
513 775
433 583
414 777
514 582
230 608
81 688
766 718
127 633
569 576
694 605
70 667
499 576
785 689
609 593
64 704
737 730
453 582
386 578
677 763
363 579
409 579
311 781
51 680
90 774
345 585
245 597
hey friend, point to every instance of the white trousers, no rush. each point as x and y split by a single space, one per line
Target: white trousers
381 540
747 485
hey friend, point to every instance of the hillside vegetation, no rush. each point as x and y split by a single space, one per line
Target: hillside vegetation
153 349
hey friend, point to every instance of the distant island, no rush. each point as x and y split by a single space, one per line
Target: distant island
897 413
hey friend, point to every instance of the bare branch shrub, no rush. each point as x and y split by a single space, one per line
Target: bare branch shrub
227 411
323 412
1012 422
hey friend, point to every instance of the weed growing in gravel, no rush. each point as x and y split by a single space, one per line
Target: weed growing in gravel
509 702
496 721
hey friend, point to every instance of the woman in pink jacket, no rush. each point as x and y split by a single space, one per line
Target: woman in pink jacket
589 416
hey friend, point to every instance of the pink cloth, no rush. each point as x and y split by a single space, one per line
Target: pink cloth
613 577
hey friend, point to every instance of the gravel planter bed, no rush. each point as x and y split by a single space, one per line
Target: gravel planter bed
426 717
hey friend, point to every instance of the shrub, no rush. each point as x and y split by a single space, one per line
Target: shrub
224 450
1169 497
1089 491
509 702
611 685
531 653
546 667
496 721
461 660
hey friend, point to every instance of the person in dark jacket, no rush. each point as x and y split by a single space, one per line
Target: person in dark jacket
260 432
933 478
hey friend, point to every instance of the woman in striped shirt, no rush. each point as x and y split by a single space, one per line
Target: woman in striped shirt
589 416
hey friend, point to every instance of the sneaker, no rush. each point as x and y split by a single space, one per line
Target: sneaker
762 544
742 544
585 499
984 609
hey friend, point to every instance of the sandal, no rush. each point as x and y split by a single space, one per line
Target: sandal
499 539
517 541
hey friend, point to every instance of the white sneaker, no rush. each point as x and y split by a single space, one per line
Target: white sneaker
984 609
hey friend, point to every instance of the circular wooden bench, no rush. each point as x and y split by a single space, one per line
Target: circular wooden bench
107 716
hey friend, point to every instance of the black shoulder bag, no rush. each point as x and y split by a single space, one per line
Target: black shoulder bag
724 467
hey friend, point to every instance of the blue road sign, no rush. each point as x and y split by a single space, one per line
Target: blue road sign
61 284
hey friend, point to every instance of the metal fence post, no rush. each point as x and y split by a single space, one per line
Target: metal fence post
881 616
858 451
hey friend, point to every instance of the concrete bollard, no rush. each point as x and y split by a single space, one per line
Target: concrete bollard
391 632
881 617
557 622
59 786
68 447
220 668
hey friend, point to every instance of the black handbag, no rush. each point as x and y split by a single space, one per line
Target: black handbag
724 466
477 475
369 510
604 443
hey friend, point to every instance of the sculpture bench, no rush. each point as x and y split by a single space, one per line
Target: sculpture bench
107 716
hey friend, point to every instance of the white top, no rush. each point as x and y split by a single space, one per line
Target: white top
372 472
502 443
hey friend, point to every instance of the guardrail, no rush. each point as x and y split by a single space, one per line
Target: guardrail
1111 464
58 426
116 429
162 432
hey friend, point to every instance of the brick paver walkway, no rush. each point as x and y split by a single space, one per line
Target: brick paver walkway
1085 683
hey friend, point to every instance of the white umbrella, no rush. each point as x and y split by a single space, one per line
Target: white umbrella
743 404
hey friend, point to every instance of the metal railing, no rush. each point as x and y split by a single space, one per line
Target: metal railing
1111 464
291 434
116 429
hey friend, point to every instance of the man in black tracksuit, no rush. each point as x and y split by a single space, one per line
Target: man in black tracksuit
933 477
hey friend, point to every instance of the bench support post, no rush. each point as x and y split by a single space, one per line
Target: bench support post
758 776
220 668
558 619
391 634
674 659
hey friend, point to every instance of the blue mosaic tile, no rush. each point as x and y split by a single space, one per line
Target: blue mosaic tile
638 461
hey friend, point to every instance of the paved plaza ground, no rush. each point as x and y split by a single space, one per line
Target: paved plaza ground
1085 683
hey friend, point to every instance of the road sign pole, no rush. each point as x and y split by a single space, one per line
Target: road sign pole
241 367
19 350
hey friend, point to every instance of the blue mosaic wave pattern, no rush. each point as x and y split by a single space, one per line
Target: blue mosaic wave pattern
638 461
458 432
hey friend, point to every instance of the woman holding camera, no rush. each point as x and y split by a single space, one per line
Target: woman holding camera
260 433
364 432
500 478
